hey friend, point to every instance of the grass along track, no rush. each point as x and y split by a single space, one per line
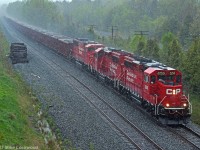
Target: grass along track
17 114
195 99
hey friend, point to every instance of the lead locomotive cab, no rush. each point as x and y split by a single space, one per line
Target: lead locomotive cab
18 53
163 90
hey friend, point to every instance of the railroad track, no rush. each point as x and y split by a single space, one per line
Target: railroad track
187 134
127 129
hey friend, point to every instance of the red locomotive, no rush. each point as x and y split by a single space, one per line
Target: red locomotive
157 87
83 50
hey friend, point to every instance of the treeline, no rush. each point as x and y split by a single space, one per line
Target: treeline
173 27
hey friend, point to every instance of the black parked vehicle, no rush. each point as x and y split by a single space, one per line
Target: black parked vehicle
18 53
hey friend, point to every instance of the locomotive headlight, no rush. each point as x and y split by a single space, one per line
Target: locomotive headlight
184 104
167 105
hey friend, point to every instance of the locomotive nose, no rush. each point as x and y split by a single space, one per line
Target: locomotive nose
175 102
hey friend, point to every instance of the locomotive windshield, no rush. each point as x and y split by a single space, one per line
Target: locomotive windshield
169 79
178 79
166 79
99 54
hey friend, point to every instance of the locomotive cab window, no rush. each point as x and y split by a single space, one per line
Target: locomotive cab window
115 59
75 43
128 64
99 54
91 49
146 78
153 79
167 80
178 79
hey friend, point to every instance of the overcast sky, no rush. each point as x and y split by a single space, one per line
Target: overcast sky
8 1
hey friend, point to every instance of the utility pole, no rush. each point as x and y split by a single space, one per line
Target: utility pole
140 45
91 31
113 29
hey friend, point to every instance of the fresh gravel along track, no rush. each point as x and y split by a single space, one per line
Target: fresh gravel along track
77 119
188 135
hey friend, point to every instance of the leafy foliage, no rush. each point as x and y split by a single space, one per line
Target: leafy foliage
167 38
152 49
191 66
15 107
137 44
174 53
41 13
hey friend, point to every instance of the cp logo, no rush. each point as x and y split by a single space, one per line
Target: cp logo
173 92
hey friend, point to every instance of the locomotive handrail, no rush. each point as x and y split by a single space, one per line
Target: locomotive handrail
190 105
161 102
90 62
156 104
120 75
190 108
116 84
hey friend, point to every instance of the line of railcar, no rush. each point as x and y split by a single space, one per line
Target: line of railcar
157 87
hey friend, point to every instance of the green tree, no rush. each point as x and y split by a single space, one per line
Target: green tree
184 31
140 48
151 50
15 9
175 54
192 65
137 44
195 25
167 38
43 13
